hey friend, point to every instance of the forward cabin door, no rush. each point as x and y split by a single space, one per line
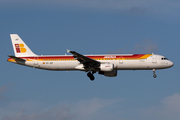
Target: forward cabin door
154 59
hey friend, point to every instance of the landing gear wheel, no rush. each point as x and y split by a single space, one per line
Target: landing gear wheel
92 78
154 76
90 75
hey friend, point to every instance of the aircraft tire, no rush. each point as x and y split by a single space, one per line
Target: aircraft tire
154 76
89 74
92 78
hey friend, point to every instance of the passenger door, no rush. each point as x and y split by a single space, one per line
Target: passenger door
154 59
36 62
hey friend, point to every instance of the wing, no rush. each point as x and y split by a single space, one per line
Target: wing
86 61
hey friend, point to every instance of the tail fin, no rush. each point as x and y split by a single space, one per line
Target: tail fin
20 48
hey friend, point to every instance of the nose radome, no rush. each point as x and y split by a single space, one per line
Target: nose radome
171 64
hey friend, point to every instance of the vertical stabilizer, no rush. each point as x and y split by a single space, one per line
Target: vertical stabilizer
20 48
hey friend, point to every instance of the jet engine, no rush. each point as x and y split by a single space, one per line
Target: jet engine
107 67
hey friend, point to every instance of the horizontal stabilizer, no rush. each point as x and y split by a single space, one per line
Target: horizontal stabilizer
16 58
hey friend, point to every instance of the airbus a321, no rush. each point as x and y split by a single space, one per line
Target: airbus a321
104 64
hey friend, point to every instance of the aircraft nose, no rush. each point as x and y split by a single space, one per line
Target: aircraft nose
170 63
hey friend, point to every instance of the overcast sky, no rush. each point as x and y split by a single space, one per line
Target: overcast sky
90 27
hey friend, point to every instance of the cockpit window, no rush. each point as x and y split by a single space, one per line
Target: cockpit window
164 59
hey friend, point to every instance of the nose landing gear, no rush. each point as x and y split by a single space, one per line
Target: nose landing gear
154 73
91 76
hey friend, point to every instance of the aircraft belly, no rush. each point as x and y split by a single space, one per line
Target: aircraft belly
58 65
70 65
139 65
29 63
135 65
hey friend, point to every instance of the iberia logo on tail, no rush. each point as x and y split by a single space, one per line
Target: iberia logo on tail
20 48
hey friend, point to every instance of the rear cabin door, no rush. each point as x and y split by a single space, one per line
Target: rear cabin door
36 62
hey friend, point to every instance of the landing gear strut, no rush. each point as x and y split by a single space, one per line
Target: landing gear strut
91 76
154 73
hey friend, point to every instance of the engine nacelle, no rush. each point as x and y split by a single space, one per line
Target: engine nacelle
109 74
107 67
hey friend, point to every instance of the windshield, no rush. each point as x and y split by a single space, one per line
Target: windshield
164 59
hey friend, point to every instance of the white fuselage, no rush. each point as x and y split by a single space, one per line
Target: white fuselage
152 62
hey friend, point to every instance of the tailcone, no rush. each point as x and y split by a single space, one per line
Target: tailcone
11 60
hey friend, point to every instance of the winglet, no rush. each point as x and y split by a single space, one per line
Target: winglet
68 51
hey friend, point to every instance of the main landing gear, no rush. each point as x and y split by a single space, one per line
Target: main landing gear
154 73
91 76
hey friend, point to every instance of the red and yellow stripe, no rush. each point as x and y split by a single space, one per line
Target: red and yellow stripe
98 57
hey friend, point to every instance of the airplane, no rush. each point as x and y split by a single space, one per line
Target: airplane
104 64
